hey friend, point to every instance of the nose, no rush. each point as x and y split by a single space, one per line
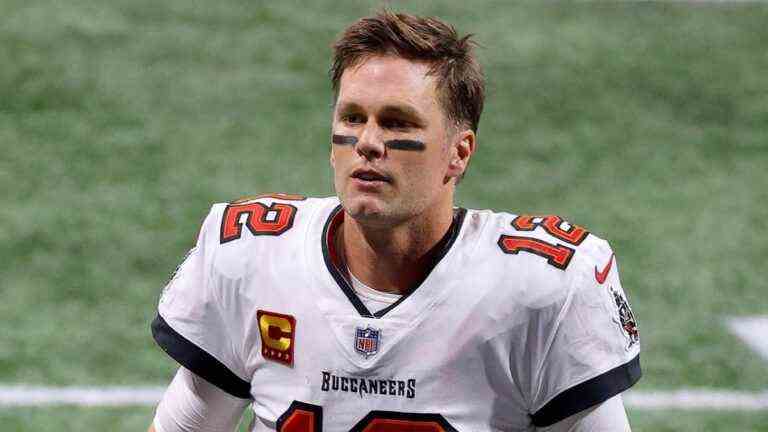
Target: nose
370 145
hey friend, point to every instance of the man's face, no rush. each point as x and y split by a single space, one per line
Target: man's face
393 147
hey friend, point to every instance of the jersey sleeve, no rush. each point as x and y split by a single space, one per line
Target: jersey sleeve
197 322
592 347
191 403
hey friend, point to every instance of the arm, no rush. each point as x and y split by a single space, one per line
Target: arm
593 351
608 416
192 404
212 388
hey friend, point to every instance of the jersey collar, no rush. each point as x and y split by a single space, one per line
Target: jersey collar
340 273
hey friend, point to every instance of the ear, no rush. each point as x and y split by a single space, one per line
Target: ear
462 149
332 158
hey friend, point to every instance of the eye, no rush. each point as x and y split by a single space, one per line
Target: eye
396 123
353 119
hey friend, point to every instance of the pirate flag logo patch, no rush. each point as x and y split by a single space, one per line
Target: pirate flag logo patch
626 319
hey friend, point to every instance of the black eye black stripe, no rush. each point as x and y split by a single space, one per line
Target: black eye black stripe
396 144
404 144
343 140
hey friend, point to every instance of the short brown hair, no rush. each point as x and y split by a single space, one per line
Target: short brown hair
459 79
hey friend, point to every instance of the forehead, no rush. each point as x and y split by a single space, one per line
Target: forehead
388 80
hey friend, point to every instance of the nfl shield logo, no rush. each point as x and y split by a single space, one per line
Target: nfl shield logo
367 341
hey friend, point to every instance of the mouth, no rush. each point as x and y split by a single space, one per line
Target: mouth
370 176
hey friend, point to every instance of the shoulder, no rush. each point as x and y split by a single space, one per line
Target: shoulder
558 284
265 227
542 258
550 240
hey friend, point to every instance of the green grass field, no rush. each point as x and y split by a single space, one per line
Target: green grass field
122 121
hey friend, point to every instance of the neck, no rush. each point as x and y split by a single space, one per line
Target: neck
395 258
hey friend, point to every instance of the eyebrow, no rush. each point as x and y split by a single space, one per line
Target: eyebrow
349 106
402 110
398 110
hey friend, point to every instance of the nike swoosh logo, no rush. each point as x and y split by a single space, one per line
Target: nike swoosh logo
602 275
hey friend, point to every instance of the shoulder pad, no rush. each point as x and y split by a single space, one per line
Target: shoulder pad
242 234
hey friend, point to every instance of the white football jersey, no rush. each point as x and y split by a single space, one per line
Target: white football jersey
521 322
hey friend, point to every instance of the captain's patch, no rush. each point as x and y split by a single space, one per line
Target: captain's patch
278 332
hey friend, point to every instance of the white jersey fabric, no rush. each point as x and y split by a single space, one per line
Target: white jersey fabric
521 322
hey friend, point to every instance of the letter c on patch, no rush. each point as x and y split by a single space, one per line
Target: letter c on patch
277 336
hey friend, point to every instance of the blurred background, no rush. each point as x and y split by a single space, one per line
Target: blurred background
122 121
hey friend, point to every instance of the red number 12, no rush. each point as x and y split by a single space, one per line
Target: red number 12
304 417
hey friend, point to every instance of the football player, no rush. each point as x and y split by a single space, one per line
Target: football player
387 308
